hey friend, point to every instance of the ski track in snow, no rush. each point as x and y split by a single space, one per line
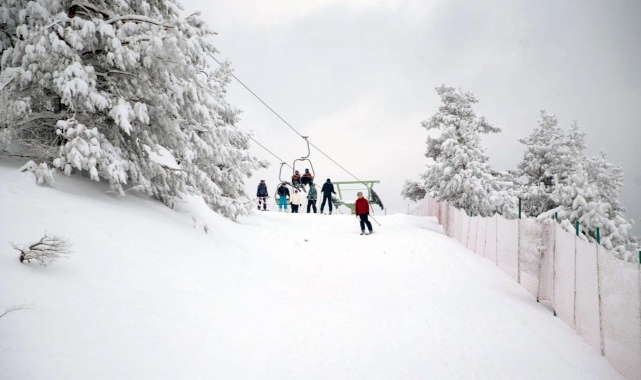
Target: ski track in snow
147 293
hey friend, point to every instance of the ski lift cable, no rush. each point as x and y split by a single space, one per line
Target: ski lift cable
261 100
272 153
289 125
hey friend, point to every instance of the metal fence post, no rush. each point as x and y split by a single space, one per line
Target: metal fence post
518 251
576 225
519 207
598 284
553 268
598 235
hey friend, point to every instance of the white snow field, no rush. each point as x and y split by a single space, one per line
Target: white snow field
147 294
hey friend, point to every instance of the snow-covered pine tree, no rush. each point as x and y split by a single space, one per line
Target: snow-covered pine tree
460 173
120 90
547 157
580 199
608 178
413 191
575 142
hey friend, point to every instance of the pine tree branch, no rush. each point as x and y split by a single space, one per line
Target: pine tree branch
111 17
9 34
45 115
12 309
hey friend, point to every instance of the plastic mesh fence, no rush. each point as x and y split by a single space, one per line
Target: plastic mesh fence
435 209
472 233
557 265
563 299
490 239
530 258
620 283
453 221
481 236
444 214
546 276
508 245
587 293
465 228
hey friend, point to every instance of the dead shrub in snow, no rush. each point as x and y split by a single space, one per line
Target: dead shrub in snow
50 248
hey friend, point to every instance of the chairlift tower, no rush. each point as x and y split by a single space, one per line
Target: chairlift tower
367 186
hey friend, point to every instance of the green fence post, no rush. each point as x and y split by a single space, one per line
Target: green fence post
576 226
598 235
556 216
519 207
470 213
639 257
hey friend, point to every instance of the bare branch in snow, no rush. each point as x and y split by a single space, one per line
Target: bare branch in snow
45 251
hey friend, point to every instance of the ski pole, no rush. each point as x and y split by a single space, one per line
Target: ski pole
375 220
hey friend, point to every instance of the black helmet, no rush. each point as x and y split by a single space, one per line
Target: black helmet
328 180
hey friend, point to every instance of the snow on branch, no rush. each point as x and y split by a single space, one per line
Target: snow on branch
110 17
46 251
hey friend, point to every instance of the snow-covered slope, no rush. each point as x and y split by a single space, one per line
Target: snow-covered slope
148 294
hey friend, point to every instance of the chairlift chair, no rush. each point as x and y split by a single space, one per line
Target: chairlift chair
304 159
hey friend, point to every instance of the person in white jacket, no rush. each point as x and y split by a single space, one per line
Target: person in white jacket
295 201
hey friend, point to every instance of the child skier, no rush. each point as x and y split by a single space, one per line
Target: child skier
295 201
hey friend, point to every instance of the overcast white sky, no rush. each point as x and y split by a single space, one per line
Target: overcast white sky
358 77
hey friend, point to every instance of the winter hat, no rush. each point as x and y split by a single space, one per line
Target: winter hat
306 170
359 194
328 180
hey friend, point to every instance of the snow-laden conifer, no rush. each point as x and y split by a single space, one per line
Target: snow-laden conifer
458 171
546 159
580 198
413 191
123 91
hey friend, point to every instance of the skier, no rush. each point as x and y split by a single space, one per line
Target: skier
311 197
296 179
307 178
283 194
295 201
262 195
362 212
327 190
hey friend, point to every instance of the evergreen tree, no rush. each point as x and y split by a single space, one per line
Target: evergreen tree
580 199
576 143
460 173
546 160
608 178
413 191
123 91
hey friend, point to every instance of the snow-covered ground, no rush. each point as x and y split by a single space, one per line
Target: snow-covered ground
148 294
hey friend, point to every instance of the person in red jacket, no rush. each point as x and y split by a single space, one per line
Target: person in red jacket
362 211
